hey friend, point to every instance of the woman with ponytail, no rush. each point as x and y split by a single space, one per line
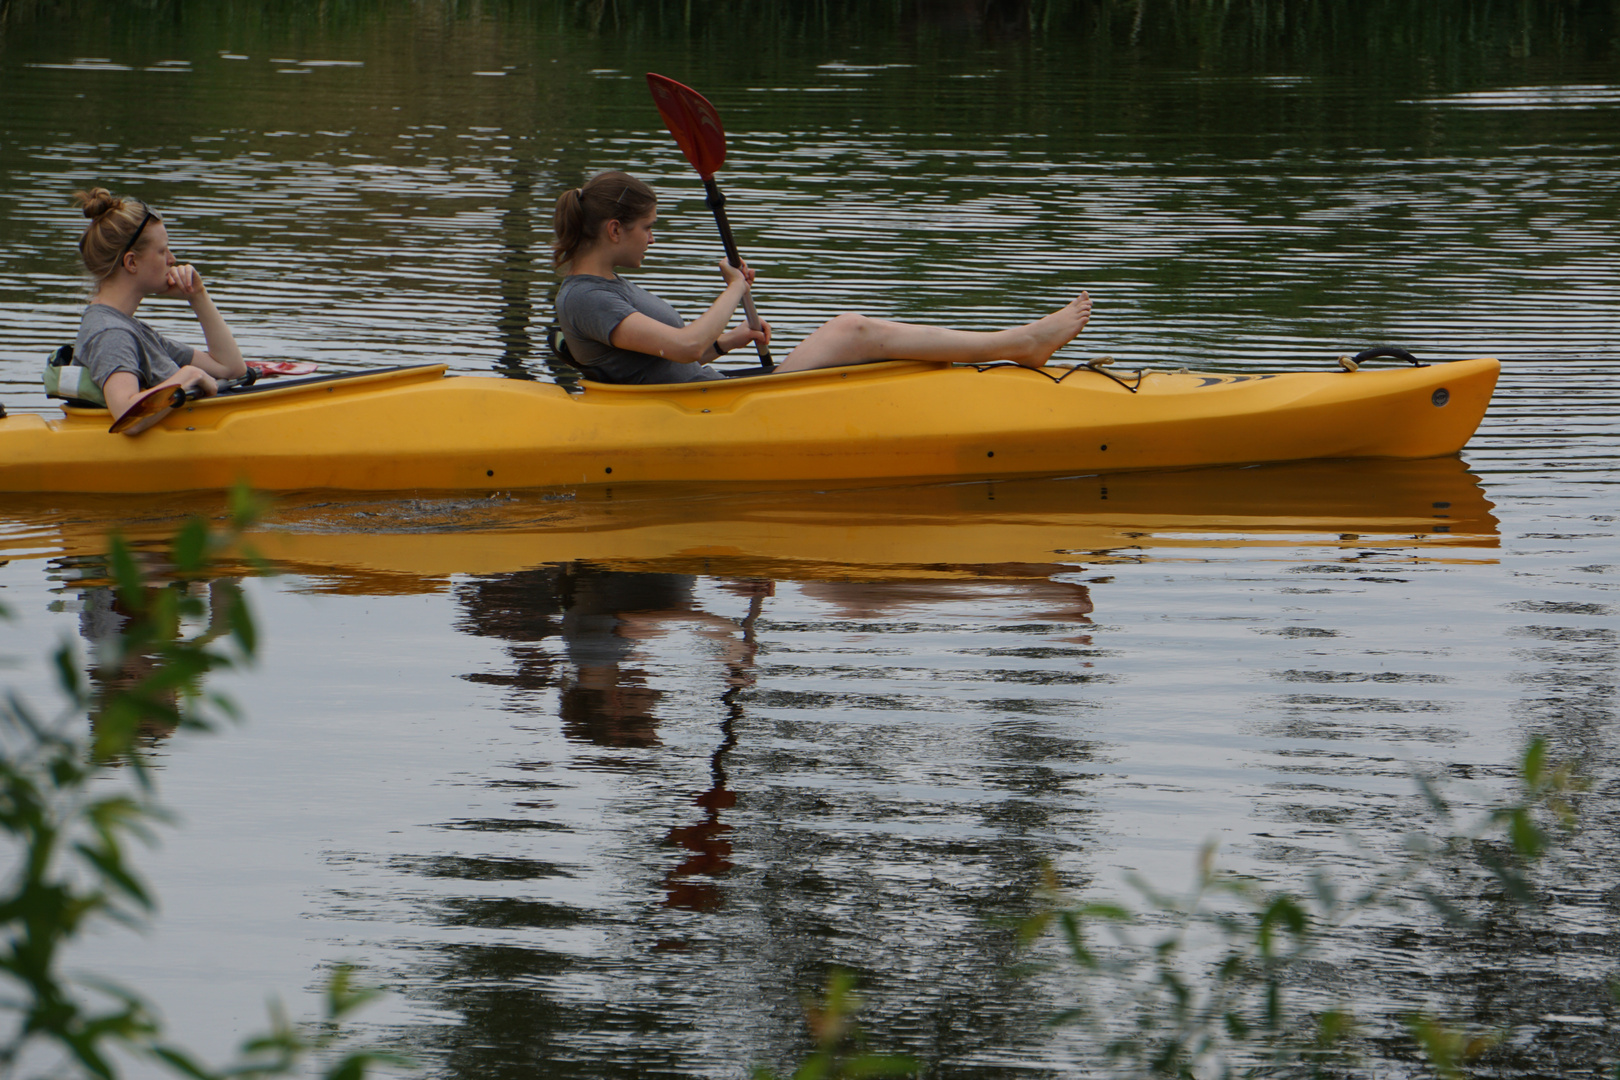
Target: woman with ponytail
126 249
619 332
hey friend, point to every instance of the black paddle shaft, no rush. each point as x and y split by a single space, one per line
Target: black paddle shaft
182 395
717 203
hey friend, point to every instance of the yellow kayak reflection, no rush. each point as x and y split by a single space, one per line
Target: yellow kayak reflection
1434 509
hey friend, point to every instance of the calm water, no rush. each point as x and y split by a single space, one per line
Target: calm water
601 784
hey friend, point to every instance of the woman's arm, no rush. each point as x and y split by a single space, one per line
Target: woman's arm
694 342
222 358
122 387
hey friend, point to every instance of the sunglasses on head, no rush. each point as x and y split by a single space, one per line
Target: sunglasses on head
136 235
133 238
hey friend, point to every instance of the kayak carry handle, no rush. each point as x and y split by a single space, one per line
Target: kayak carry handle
1353 363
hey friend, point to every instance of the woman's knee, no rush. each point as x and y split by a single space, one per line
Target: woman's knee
851 326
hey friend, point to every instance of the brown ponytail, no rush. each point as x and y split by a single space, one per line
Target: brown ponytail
581 213
117 225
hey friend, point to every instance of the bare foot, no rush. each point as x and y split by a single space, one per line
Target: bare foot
1034 343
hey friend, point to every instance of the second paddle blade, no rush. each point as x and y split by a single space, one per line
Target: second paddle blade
693 122
147 410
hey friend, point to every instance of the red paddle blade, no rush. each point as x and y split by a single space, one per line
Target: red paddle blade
693 122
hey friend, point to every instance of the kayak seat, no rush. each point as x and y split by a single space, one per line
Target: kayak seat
71 382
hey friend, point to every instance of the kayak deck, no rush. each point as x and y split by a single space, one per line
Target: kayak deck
405 428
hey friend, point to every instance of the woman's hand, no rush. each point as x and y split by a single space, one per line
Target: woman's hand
184 282
742 336
191 375
733 274
222 358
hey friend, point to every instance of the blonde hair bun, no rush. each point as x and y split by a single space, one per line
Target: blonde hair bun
97 201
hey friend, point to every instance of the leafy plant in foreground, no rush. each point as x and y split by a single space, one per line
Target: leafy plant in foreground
1200 987
71 805
839 1049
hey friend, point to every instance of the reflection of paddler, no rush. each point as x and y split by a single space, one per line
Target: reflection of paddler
102 620
120 671
606 616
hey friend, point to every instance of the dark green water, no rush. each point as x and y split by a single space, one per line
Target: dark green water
615 816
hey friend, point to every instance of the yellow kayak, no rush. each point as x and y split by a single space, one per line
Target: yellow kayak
416 428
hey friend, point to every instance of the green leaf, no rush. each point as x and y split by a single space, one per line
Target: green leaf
350 1068
246 508
880 1065
1443 907
1325 891
1432 796
1528 839
181 1062
190 550
1333 1026
110 866
126 575
1109 912
813 1068
239 618
1534 767
68 675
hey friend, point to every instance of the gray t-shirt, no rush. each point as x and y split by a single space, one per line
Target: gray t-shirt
110 341
588 310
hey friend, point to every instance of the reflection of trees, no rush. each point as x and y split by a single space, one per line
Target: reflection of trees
518 240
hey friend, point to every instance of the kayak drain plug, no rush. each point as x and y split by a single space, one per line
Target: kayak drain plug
489 472
1440 397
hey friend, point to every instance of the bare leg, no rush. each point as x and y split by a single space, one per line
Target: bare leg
856 339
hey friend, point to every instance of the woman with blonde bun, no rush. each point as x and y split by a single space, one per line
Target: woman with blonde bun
617 331
126 249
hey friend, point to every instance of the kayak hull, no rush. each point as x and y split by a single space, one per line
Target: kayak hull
415 428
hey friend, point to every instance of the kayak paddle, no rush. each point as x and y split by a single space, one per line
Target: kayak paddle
696 127
159 401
